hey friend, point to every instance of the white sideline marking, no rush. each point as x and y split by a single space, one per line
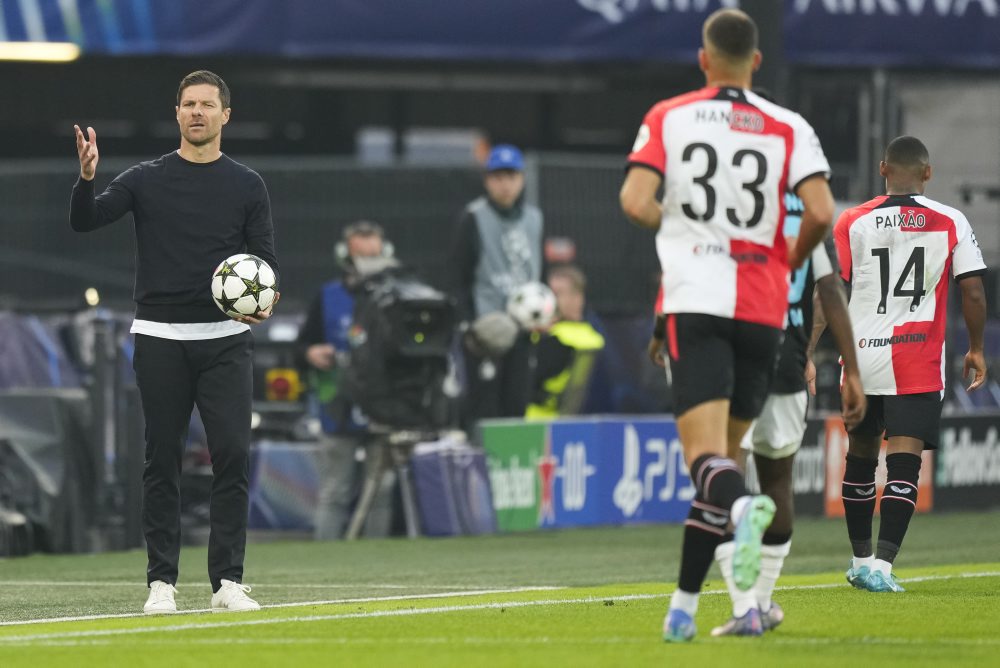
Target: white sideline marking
540 640
369 599
400 612
204 585
406 612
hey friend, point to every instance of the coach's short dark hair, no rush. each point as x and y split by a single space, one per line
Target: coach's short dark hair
205 77
907 152
732 33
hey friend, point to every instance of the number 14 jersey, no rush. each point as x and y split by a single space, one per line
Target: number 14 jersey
727 157
898 251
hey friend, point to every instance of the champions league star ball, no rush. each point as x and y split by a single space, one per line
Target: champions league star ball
533 306
243 284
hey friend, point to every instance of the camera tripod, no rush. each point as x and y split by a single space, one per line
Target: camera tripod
390 449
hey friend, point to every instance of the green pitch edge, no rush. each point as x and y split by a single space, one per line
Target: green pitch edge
607 594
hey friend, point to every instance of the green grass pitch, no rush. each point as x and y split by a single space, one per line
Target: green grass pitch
592 597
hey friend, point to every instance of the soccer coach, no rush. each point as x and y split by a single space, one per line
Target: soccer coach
192 208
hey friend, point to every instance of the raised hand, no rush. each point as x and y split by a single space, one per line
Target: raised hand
86 148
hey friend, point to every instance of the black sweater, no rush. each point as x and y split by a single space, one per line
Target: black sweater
188 218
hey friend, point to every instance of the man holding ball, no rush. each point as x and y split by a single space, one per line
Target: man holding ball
192 208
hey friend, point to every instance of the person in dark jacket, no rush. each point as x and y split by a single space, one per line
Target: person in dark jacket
192 208
497 247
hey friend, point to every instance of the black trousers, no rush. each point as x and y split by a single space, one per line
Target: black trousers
173 377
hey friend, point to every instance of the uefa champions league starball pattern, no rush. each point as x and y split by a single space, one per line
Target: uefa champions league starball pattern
533 306
243 284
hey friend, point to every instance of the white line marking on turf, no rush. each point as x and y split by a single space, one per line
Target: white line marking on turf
540 640
369 599
205 585
371 585
512 590
407 612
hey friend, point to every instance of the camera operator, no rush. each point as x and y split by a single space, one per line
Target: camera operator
325 345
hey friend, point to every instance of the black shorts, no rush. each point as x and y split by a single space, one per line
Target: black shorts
720 358
913 415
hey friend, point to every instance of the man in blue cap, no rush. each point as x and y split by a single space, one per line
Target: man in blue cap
496 248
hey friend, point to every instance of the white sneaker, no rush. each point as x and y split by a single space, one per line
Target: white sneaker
232 597
161 599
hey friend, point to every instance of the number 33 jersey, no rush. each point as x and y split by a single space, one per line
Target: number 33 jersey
727 157
898 251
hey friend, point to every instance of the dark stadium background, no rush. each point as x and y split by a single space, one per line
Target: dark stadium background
387 125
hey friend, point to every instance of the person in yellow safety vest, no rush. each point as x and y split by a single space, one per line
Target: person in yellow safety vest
565 354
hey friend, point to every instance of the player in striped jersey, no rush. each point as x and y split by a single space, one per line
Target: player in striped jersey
725 158
777 435
897 252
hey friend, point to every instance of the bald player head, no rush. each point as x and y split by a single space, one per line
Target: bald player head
729 54
906 166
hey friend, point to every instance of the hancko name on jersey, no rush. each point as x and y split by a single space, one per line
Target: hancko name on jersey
908 219
738 119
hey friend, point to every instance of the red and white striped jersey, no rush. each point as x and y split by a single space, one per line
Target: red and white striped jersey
727 157
897 251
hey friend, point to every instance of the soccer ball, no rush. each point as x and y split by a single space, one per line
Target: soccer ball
533 306
243 284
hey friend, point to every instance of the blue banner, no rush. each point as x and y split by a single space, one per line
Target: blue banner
511 30
613 472
926 33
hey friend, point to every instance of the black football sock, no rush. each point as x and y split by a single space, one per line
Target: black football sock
719 483
858 493
899 500
771 538
718 480
704 529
